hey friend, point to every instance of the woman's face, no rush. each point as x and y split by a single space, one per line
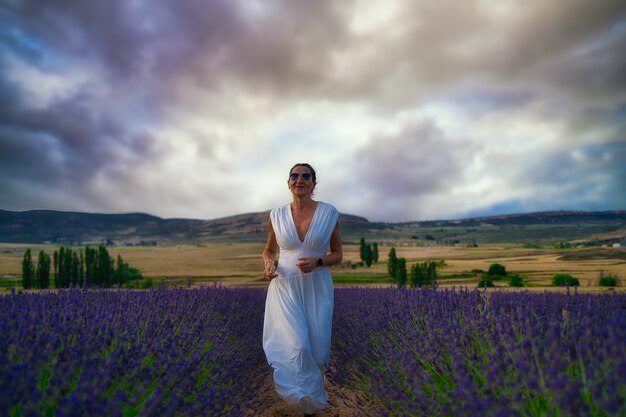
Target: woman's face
300 182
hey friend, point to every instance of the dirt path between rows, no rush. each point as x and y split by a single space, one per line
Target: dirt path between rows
343 403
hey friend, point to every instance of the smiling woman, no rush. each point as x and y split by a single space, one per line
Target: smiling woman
299 305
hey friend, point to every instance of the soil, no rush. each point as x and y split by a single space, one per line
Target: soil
591 254
343 403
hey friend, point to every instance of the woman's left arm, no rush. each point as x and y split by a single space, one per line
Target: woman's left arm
336 251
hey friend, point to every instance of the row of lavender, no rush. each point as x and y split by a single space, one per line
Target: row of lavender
490 354
125 353
197 352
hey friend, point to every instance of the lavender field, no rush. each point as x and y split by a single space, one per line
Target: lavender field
125 353
454 353
197 352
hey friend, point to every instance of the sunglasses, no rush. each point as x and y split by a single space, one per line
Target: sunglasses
306 176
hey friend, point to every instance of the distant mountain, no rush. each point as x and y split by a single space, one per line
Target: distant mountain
59 227
50 226
537 218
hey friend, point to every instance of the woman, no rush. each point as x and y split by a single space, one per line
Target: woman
299 305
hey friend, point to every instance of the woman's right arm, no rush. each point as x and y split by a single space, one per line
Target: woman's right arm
270 253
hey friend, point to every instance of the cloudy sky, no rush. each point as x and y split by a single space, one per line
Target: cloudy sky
409 110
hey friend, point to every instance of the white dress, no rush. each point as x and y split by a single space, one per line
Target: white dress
299 311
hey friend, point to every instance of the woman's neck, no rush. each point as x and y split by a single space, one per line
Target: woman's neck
302 203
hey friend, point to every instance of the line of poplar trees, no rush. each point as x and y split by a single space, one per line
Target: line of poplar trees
422 274
89 267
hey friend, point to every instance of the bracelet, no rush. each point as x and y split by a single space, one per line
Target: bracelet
270 261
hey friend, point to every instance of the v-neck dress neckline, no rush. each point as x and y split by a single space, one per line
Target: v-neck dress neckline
295 228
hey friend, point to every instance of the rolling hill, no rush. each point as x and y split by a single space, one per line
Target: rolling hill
73 228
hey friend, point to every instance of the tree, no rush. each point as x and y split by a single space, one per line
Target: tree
75 269
61 267
423 274
67 272
516 281
391 263
124 273
27 270
81 269
66 267
362 249
485 282
401 272
415 277
431 272
55 257
90 266
564 280
497 269
120 270
369 255
609 280
43 271
375 252
105 266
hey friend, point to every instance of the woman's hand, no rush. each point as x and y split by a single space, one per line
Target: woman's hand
270 271
270 253
307 264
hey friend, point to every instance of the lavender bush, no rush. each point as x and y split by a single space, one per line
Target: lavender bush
188 352
126 353
449 353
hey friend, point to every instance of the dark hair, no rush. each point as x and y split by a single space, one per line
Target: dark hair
304 164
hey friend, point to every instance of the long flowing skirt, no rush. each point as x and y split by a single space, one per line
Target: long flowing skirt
296 337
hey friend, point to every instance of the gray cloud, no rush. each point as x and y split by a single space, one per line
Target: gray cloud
113 105
595 71
419 160
589 177
392 174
